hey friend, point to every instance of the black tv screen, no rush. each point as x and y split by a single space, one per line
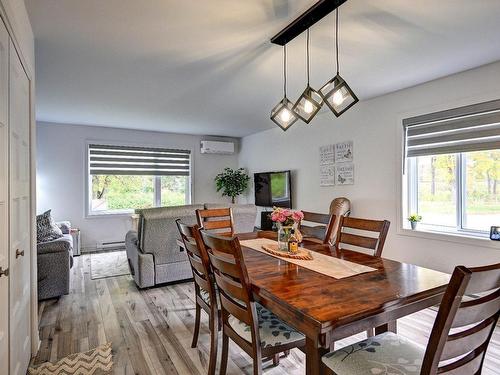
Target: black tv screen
273 189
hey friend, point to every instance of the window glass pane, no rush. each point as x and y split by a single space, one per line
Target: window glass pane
482 190
174 190
436 187
118 193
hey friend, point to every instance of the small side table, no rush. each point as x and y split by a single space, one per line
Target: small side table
75 233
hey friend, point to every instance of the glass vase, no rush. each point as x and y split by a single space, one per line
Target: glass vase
284 232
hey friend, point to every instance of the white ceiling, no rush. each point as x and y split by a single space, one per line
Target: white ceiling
207 67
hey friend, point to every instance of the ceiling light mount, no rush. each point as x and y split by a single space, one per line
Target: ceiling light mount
306 20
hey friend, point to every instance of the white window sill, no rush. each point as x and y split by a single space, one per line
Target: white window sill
461 238
109 215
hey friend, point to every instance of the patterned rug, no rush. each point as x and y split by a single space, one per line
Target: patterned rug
98 361
108 264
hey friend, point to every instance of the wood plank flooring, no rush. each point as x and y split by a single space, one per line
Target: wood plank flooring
151 330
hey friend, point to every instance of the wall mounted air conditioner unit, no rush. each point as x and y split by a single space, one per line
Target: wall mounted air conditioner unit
217 147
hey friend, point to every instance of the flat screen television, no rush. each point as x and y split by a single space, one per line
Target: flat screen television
273 189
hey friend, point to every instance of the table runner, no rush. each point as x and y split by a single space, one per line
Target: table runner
324 264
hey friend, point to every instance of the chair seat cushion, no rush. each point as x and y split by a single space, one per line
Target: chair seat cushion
272 330
205 296
387 353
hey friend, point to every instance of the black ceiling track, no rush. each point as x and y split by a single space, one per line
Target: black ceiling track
306 20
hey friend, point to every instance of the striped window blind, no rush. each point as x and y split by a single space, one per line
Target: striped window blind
126 160
470 128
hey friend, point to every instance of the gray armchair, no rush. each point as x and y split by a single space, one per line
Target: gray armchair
54 260
153 253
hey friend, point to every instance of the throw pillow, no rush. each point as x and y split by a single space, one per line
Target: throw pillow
46 228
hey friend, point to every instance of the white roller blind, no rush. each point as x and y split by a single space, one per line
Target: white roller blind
470 128
126 160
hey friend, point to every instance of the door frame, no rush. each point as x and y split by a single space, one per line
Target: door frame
35 338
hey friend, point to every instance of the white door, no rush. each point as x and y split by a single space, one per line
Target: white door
4 200
19 205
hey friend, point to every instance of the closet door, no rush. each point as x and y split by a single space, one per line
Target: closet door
19 205
4 200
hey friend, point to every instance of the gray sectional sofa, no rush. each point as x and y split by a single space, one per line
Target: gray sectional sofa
153 253
54 260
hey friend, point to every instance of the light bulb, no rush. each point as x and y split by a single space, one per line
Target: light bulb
285 115
308 107
338 97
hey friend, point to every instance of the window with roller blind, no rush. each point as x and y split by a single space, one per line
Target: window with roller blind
453 168
124 178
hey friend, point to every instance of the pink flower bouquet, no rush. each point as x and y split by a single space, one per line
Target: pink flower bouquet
285 216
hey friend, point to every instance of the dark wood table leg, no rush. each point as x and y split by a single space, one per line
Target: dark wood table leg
314 352
387 327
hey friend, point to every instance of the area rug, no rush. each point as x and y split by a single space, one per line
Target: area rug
98 361
108 264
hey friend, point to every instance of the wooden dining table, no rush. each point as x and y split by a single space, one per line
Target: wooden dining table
326 309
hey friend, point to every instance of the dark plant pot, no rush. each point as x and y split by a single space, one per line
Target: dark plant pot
413 224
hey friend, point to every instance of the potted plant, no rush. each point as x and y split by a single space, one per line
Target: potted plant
232 182
414 219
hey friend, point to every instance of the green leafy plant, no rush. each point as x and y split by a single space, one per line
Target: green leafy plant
232 182
414 218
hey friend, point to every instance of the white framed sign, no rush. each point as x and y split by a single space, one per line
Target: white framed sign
344 174
327 165
344 152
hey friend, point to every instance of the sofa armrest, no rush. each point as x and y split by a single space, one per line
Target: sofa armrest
142 266
65 243
65 226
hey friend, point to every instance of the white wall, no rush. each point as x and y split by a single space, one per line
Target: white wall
375 127
61 175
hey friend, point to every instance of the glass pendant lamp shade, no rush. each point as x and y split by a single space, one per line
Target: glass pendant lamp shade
310 102
282 114
338 96
336 93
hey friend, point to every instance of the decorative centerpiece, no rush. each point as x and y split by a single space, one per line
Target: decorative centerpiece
414 220
286 220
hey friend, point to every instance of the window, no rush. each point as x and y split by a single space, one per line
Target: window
453 168
123 178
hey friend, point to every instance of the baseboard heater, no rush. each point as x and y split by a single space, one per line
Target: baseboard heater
110 245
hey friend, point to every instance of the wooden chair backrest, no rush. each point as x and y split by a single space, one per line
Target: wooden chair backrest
326 220
463 327
218 220
232 280
339 207
198 258
375 244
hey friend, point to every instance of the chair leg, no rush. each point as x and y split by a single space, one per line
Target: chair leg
214 335
257 365
276 359
196 326
370 332
225 349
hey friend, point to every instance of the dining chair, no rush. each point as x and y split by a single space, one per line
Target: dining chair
218 220
339 207
256 330
204 286
320 233
349 225
465 322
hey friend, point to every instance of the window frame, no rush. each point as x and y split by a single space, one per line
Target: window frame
460 199
89 213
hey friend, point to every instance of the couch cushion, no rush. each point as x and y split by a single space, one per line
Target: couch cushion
46 228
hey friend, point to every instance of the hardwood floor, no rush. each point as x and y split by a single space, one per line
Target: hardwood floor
151 330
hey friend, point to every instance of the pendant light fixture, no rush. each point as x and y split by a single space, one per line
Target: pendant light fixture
310 102
282 114
336 93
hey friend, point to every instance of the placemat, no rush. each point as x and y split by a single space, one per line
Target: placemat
324 264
